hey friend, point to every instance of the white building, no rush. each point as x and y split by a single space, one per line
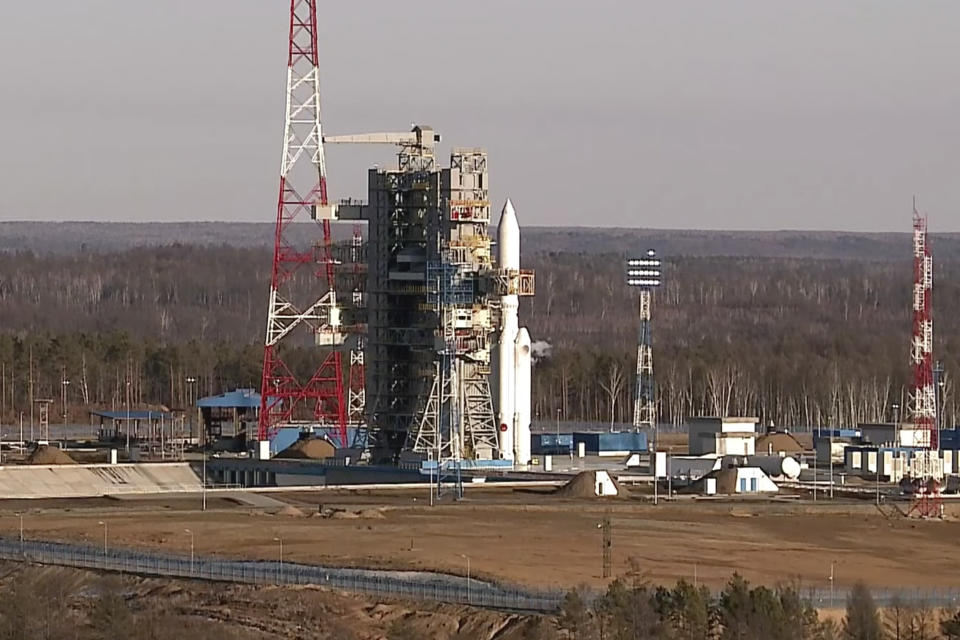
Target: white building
735 481
722 436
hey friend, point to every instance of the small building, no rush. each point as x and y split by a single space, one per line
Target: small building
608 443
892 435
229 417
722 436
894 463
734 481
551 444
830 444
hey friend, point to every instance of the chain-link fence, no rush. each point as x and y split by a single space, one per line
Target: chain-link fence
404 584
417 585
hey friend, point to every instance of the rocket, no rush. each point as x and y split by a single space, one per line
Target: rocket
513 350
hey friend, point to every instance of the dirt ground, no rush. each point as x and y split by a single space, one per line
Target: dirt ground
187 610
531 538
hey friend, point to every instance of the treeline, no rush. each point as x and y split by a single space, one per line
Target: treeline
631 609
792 341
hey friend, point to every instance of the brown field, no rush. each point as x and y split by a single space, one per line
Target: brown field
531 538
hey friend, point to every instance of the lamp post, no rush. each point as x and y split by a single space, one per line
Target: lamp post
280 564
21 531
191 391
128 418
64 383
104 524
191 549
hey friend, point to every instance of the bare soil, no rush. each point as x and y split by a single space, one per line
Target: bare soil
535 538
195 609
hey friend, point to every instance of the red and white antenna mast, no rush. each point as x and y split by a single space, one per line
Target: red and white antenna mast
302 293
923 392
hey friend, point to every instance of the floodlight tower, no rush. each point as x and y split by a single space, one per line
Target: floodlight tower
644 273
303 300
923 393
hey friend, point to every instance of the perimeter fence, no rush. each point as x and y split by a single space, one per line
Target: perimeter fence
400 584
415 585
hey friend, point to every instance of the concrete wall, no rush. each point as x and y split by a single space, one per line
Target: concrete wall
93 480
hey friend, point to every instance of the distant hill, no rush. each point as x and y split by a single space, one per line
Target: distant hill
98 237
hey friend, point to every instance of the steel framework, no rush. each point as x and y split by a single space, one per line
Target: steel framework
644 273
308 302
923 390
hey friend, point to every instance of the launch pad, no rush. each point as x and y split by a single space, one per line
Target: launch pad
447 366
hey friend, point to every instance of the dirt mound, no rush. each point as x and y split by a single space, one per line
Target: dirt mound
290 511
583 485
373 514
776 443
45 454
310 449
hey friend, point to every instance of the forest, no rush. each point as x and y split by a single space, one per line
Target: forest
794 341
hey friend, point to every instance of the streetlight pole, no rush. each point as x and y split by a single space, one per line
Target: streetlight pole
104 539
128 418
64 383
21 531
191 393
280 565
191 549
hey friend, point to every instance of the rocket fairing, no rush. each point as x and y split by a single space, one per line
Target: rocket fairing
508 257
513 352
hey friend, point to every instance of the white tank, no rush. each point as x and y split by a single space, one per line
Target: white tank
508 257
521 399
785 466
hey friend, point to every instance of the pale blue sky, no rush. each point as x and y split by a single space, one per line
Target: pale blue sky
741 114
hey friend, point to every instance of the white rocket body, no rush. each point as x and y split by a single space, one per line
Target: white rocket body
508 257
521 399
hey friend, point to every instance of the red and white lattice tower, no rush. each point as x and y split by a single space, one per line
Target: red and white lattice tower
302 287
923 392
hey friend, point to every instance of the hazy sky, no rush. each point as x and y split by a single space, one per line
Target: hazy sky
733 114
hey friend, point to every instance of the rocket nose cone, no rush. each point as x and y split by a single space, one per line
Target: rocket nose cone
508 237
523 341
508 209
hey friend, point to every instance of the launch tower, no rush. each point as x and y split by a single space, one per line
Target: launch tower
303 309
432 299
